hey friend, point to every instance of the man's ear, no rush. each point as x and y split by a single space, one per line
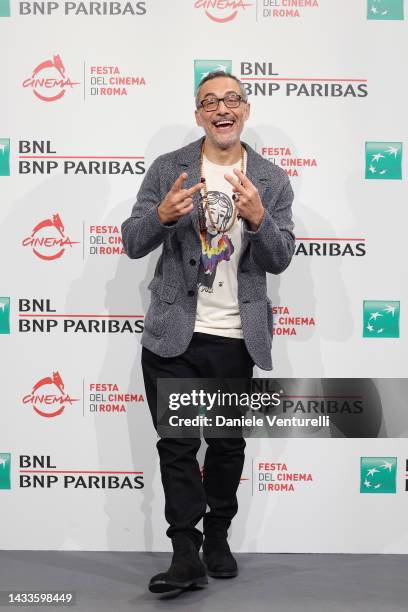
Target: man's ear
247 111
198 118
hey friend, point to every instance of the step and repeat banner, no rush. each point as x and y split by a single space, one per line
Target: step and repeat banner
91 93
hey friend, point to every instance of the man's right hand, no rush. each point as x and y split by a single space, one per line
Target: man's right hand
178 202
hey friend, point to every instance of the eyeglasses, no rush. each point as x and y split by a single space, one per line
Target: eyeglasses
231 100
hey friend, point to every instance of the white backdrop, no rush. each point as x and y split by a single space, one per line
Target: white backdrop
60 242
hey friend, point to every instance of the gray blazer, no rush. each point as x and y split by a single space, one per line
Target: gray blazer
169 321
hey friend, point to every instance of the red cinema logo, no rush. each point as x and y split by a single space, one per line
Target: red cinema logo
51 400
48 239
221 11
48 81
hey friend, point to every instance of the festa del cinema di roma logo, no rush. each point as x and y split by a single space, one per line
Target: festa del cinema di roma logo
221 11
48 81
48 397
48 240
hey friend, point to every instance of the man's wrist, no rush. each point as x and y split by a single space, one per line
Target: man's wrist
163 219
160 214
254 225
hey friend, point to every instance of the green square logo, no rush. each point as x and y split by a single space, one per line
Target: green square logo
204 67
4 8
385 9
4 156
5 461
4 315
383 160
381 319
378 474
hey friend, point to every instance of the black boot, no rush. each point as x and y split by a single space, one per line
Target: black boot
218 558
186 569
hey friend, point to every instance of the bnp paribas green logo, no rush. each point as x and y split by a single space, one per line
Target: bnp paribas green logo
378 475
383 160
204 67
4 8
4 156
385 9
381 319
4 315
5 461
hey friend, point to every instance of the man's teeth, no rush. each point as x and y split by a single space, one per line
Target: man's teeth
222 123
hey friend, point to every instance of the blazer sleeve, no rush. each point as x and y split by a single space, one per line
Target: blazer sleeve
143 231
273 243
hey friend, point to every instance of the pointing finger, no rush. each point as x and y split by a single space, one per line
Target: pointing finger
197 187
244 179
178 183
237 186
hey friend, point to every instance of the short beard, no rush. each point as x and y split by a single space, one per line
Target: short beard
224 146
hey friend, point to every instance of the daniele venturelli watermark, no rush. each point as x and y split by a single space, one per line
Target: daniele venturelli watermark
226 407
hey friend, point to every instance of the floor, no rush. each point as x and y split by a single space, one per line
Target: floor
117 582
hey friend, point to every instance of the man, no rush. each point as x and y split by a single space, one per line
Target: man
222 215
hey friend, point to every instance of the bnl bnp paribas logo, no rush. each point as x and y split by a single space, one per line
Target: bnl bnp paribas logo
204 67
4 156
381 319
4 315
5 461
385 9
4 8
378 475
383 160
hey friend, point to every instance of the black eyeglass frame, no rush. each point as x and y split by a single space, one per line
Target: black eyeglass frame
237 96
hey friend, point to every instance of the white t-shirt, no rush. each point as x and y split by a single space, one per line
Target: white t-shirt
217 304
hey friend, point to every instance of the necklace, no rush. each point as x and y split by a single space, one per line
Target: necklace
204 199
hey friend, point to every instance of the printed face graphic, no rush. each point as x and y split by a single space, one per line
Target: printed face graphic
221 210
223 127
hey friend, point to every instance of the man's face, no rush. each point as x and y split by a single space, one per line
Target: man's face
224 125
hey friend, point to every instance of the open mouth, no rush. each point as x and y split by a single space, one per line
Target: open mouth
224 125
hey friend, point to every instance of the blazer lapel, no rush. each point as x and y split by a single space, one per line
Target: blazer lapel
258 179
254 171
190 163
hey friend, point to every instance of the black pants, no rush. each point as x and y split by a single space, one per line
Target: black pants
186 492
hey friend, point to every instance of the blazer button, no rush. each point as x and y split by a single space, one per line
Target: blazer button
192 262
246 301
191 292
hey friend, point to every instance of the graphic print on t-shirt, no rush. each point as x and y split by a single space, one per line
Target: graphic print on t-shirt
217 275
215 246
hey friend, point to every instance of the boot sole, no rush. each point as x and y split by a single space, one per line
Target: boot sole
215 574
222 574
163 586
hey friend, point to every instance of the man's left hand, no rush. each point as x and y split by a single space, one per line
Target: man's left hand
249 204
